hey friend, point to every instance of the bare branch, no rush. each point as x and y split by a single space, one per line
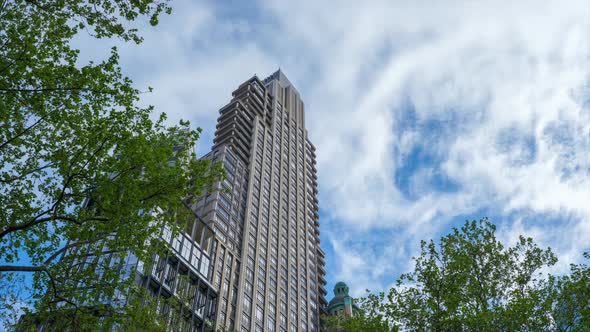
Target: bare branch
17 268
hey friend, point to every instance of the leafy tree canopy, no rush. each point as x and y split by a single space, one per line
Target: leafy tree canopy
470 281
71 131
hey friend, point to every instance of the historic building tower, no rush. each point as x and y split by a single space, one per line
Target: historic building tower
342 303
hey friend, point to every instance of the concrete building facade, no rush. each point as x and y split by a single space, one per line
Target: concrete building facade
267 264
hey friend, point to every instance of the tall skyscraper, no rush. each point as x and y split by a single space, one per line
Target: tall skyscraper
251 258
268 266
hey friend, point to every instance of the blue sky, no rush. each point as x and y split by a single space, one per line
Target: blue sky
424 113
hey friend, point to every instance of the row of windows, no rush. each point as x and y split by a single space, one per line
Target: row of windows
189 250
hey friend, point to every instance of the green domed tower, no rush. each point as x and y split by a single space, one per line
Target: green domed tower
342 303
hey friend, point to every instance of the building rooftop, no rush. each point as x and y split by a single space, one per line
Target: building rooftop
279 76
341 298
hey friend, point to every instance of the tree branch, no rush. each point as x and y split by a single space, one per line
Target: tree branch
62 250
37 4
155 194
22 176
36 221
17 268
24 131
43 268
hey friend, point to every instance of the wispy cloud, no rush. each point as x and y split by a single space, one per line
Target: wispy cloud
422 112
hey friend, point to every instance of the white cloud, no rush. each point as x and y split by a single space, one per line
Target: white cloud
499 98
481 69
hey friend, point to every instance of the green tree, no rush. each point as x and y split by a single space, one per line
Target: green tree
570 295
469 281
139 314
70 132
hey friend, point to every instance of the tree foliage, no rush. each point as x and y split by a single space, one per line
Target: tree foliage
570 296
470 281
72 131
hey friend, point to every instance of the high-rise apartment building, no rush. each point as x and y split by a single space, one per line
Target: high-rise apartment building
267 264
251 259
